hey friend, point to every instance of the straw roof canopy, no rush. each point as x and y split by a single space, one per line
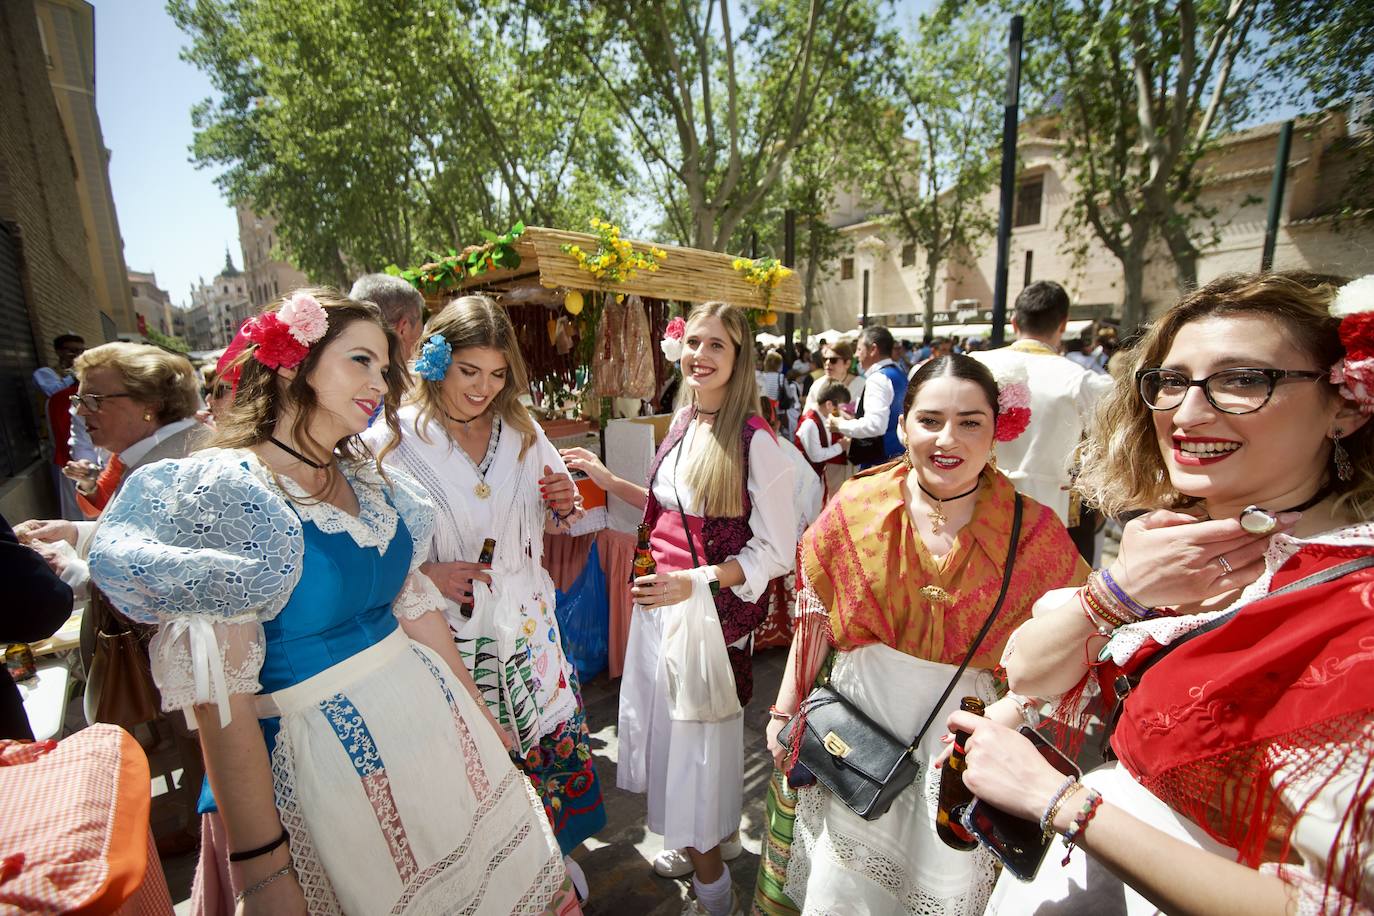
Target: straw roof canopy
686 274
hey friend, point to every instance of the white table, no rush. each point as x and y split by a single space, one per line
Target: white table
45 698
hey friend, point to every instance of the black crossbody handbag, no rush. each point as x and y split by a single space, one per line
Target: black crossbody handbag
856 758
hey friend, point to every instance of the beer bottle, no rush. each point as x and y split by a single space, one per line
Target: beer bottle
644 564
20 661
487 555
954 795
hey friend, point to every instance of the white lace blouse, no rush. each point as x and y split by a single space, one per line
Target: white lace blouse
210 546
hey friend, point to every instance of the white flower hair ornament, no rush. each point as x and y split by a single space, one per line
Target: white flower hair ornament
284 337
671 344
1354 374
1013 403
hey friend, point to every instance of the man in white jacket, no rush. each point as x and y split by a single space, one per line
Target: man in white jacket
1063 395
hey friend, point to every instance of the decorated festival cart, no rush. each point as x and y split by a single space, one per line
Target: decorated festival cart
589 310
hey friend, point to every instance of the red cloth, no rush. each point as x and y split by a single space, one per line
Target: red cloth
60 422
1276 699
105 486
74 834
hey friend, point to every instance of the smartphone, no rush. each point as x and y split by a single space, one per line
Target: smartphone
1017 842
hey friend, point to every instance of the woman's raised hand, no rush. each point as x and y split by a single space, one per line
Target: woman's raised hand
579 459
662 589
1169 559
558 491
454 580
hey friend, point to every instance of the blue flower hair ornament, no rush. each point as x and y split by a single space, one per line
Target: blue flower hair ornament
435 358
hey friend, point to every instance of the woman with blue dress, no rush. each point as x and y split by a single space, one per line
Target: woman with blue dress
353 762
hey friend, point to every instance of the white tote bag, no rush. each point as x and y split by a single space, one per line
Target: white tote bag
701 684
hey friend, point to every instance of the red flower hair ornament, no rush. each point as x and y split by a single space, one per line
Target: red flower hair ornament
283 338
1354 306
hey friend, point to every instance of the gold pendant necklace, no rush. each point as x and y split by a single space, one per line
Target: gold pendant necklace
937 511
483 490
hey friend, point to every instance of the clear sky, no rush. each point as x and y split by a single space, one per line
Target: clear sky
174 220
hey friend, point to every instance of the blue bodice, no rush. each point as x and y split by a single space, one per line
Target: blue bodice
341 606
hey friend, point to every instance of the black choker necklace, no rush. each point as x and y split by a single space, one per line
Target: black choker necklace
937 516
706 413
295 454
462 423
1261 521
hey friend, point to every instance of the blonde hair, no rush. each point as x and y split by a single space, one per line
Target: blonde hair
262 394
1122 468
477 321
164 382
716 472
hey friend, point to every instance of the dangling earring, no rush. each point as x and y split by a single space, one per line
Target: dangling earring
1344 469
906 459
992 460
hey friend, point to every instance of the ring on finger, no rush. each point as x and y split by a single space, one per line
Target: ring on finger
1225 564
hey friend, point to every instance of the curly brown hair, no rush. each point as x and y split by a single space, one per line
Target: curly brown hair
1122 468
262 393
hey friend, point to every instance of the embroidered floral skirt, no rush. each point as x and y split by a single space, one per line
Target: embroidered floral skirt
560 767
399 799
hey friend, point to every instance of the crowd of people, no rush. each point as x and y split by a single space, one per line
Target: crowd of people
336 570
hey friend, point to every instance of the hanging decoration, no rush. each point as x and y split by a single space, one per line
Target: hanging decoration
444 273
615 260
573 302
764 274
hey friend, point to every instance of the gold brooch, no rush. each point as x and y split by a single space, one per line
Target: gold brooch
936 594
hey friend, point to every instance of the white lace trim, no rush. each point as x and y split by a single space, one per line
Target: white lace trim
320 899
375 523
813 836
418 597
199 659
1127 640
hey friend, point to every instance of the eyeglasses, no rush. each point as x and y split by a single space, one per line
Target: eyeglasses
1230 390
92 401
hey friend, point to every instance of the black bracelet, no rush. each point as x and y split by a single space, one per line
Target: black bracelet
260 851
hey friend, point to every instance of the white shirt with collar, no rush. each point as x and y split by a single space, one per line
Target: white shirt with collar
132 455
1063 396
877 402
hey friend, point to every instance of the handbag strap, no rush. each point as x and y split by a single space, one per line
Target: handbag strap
987 624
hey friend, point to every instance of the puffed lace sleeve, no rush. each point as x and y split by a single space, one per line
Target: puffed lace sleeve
206 549
419 595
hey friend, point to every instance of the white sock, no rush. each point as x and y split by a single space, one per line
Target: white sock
714 897
579 879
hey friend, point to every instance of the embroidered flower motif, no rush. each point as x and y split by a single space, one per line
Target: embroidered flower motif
304 318
435 358
564 748
671 344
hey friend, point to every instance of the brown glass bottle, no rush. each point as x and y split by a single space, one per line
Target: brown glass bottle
954 795
485 558
644 564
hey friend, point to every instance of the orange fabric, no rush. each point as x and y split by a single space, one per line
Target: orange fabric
593 497
75 820
105 486
870 569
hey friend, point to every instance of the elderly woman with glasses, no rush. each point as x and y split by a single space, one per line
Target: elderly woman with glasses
1232 640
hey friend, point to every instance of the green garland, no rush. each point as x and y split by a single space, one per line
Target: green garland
447 272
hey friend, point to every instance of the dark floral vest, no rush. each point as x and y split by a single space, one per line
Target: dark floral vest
725 537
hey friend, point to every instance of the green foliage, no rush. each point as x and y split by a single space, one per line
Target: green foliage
1138 92
173 344
933 126
445 272
717 95
378 130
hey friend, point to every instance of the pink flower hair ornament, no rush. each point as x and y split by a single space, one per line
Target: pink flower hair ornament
1354 374
671 344
1013 404
283 338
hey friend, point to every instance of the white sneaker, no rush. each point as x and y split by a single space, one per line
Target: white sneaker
694 907
675 863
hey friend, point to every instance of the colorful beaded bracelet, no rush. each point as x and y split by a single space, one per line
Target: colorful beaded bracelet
1080 823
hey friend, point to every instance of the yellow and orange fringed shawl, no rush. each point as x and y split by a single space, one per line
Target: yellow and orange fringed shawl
866 563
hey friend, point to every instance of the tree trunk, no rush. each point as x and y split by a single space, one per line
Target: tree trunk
1133 274
929 297
1185 255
